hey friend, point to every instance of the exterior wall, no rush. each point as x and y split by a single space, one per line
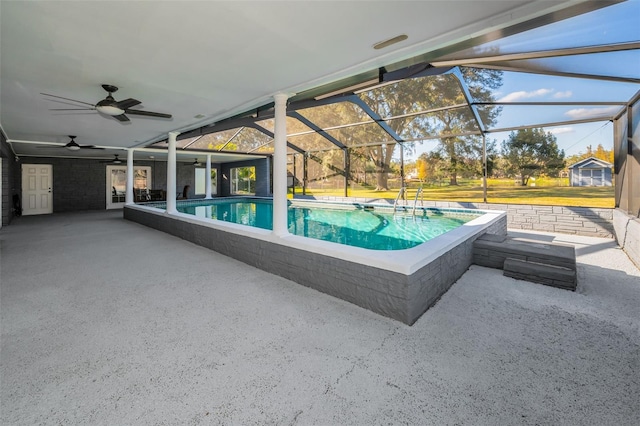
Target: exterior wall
8 181
628 234
392 294
78 184
592 222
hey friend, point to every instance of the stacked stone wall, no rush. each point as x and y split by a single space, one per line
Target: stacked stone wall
586 221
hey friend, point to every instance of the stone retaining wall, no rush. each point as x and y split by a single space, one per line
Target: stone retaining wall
586 221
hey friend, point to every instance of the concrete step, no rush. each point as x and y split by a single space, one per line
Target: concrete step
492 251
555 276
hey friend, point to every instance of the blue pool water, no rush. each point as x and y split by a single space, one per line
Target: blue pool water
377 229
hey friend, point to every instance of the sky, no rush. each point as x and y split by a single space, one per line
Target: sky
614 24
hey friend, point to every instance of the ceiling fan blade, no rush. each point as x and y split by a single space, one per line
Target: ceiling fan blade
71 109
90 147
147 113
121 117
67 99
127 103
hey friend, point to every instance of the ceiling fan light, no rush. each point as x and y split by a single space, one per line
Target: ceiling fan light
109 110
73 147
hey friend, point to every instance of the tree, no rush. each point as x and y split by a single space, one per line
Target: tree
603 154
435 93
600 152
422 168
432 167
405 100
532 152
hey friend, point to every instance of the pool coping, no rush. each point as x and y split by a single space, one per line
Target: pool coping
405 261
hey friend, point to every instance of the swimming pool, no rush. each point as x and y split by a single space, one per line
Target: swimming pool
369 227
400 284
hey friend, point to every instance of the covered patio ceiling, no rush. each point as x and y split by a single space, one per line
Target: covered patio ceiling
598 52
216 65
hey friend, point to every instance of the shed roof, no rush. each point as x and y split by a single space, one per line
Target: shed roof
590 162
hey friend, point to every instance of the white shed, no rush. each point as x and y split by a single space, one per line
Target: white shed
590 172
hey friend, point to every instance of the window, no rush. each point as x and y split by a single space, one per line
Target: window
243 180
201 182
117 185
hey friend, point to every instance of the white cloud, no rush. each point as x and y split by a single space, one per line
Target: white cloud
578 113
561 95
517 96
561 130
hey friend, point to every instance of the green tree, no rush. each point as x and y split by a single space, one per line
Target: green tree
532 152
434 93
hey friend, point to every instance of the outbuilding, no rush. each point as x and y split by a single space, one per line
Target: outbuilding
590 172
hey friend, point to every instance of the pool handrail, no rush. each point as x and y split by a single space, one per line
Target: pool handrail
402 191
415 200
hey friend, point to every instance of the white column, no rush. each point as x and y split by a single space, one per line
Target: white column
171 173
207 192
129 191
280 227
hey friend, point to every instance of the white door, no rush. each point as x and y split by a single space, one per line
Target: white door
596 177
37 181
117 184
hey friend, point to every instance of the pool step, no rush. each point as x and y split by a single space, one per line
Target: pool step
555 276
545 263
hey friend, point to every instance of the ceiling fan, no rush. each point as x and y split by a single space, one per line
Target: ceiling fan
72 145
115 160
109 106
196 163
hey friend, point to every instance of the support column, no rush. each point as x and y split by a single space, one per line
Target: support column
171 173
347 167
293 182
207 192
305 176
402 180
129 190
484 167
280 226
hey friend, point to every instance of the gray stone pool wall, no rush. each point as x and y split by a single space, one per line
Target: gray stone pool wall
585 221
401 297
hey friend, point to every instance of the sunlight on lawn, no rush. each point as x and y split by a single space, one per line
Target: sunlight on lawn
496 194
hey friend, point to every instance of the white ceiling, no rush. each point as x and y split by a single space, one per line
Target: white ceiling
210 58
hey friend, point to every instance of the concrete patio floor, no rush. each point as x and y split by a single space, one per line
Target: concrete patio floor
107 322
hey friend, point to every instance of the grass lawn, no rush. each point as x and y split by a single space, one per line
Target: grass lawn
498 192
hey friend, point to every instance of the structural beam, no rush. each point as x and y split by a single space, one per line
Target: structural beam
318 130
375 117
541 54
272 136
528 70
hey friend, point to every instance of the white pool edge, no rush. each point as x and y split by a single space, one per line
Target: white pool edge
405 261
